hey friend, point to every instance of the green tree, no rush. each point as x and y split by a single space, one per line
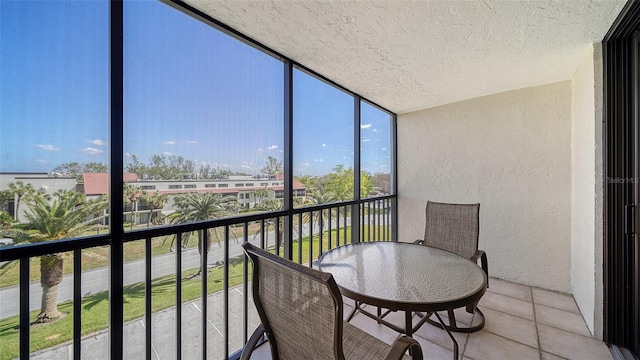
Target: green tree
382 182
132 194
21 191
71 169
273 167
271 205
77 169
208 206
5 197
320 197
155 201
207 171
5 220
68 215
310 182
136 167
261 194
366 184
163 167
341 180
94 167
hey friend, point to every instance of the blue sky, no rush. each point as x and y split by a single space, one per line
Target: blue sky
190 90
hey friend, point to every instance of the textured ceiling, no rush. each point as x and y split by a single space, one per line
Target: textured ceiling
411 55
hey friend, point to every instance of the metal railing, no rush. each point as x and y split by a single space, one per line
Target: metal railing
301 235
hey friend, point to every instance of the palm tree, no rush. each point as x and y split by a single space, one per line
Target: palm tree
68 215
21 191
261 194
156 201
199 207
5 197
320 197
270 206
5 220
132 194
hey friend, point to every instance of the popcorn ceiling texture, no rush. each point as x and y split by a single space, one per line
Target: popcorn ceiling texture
510 152
412 55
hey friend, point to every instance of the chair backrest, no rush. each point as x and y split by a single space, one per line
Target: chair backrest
453 227
300 308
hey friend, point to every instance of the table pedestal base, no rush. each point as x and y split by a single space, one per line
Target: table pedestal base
409 328
453 325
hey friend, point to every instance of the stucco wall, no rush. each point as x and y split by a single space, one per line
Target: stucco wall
586 201
511 152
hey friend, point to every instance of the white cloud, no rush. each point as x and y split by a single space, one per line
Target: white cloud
305 164
272 147
48 147
280 151
40 161
97 142
260 150
128 155
365 126
375 130
169 142
383 149
167 153
244 166
190 142
324 145
366 140
91 151
318 160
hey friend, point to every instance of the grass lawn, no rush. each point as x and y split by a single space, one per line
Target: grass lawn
99 256
95 308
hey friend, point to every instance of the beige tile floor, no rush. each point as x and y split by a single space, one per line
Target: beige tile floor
522 322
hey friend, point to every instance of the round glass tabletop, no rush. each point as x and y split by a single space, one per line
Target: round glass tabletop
404 276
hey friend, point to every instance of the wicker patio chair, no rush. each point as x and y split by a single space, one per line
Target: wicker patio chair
455 228
301 313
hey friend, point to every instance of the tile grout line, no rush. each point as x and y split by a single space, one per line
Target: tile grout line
506 338
508 313
512 340
515 298
535 322
531 290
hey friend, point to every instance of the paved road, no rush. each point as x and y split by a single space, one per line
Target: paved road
97 280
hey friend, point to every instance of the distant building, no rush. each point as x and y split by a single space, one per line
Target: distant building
243 188
44 183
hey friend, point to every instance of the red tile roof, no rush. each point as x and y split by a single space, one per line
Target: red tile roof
98 183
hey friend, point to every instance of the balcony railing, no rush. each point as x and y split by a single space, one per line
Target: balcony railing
222 292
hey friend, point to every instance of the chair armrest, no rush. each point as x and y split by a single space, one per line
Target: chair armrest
252 343
419 241
480 254
401 345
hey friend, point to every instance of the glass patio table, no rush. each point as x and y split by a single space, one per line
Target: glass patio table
404 277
